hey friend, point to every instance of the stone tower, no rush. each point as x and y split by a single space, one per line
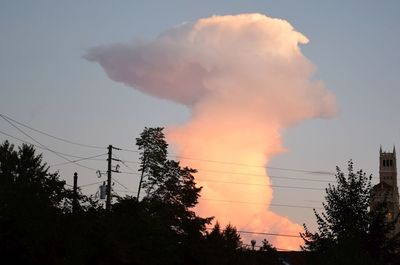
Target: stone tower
387 167
387 186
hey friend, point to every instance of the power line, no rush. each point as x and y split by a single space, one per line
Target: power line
130 173
318 172
123 162
48 149
245 183
258 246
243 202
39 147
259 184
206 180
90 184
52 136
266 234
261 233
180 157
260 203
262 176
122 185
125 191
81 159
248 174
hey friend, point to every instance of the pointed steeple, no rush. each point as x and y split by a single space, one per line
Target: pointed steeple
394 150
380 149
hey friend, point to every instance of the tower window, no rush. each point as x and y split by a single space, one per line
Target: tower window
384 162
391 163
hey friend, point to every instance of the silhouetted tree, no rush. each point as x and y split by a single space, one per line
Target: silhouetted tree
32 200
37 225
171 191
232 238
348 233
153 156
165 180
267 246
222 246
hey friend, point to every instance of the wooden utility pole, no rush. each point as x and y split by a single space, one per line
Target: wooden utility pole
108 201
75 198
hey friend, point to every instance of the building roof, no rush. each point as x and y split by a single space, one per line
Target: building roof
382 186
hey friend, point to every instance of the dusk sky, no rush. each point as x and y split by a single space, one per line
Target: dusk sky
61 72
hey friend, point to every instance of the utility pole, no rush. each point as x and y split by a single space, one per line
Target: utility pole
109 171
108 201
75 198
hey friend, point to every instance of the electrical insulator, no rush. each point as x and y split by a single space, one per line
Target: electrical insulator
103 191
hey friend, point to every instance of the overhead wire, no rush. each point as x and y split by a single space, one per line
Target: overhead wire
259 247
42 146
90 184
123 163
52 136
260 203
45 147
81 159
39 147
122 185
243 202
181 157
318 172
261 233
246 183
206 180
266 234
260 184
248 174
262 176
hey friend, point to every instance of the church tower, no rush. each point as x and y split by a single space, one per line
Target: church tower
387 186
387 167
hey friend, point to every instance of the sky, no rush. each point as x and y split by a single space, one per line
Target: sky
48 83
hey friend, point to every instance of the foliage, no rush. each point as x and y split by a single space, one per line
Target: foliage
169 186
31 202
26 180
37 225
153 155
348 233
267 246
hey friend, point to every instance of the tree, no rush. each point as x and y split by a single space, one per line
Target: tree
164 179
153 155
267 246
222 246
25 179
170 191
31 201
348 233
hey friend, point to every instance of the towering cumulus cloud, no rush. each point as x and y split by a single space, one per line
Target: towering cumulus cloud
244 79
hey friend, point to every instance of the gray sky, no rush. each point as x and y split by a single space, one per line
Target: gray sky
45 83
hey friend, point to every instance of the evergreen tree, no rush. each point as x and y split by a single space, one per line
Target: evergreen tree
164 179
267 246
153 156
32 201
170 192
